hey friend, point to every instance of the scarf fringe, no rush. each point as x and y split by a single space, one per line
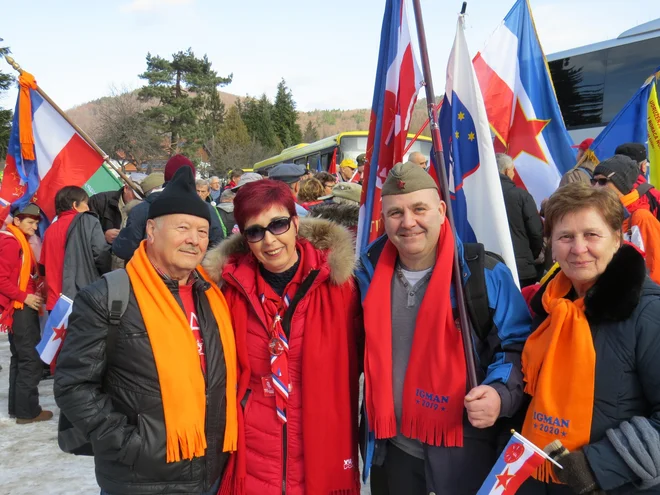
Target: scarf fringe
545 473
186 444
352 491
432 432
385 427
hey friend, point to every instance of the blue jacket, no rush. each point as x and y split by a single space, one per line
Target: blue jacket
497 356
134 232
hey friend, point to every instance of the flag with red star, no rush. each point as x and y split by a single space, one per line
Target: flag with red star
55 330
522 107
518 461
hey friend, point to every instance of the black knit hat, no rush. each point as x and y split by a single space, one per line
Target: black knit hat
621 170
180 196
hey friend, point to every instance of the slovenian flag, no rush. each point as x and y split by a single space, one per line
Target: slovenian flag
522 106
472 175
55 329
518 461
45 153
398 80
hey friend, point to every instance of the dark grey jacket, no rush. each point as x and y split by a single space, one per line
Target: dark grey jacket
134 232
623 310
87 254
113 397
525 226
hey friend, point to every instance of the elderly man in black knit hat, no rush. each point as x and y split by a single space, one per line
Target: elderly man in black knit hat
147 373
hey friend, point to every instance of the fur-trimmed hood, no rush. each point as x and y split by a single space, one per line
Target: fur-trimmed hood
342 213
324 235
616 293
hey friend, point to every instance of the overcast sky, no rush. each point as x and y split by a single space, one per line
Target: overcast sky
326 51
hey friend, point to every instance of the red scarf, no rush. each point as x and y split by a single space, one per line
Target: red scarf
329 387
434 386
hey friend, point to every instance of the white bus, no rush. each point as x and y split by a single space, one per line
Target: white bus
594 82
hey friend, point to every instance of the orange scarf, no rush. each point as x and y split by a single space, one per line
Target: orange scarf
27 262
26 82
630 198
559 366
182 385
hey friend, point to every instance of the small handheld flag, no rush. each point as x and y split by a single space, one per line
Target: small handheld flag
518 461
55 329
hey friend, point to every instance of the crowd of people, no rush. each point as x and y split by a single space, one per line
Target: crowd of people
219 334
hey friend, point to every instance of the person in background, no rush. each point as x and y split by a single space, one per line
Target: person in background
310 193
216 190
295 310
584 168
203 190
108 207
592 365
155 394
348 171
648 195
328 180
619 174
525 222
20 303
235 177
341 206
290 174
361 161
419 159
134 232
226 211
405 281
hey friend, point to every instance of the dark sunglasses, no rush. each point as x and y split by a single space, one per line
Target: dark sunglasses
278 226
601 182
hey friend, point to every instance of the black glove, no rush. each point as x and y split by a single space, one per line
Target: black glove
576 473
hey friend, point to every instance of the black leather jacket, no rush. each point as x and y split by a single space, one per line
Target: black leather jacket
113 397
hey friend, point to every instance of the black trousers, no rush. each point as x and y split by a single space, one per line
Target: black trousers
400 474
25 368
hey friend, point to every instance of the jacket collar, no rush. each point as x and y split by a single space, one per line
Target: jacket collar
616 293
323 235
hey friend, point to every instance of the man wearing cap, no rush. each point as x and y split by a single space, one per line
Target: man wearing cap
342 206
291 174
156 393
109 207
361 161
424 433
134 232
348 171
649 196
619 173
584 168
20 301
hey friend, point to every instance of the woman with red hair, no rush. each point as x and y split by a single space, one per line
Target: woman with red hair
296 315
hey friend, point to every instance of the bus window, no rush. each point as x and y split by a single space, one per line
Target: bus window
424 147
326 159
352 146
313 162
301 161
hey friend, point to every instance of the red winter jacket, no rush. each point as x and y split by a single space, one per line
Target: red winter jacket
264 442
10 268
643 202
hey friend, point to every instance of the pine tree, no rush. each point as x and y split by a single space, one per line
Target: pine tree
285 117
234 132
257 115
311 133
6 116
189 108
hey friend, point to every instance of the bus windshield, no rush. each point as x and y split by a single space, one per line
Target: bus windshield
352 146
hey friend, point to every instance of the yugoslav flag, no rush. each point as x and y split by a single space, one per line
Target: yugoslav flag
518 461
45 153
473 178
55 329
398 79
522 106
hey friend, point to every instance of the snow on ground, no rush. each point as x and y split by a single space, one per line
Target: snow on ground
30 460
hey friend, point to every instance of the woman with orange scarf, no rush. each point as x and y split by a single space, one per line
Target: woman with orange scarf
19 304
592 366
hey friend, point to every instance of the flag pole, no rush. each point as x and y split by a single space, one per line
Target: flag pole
83 134
457 276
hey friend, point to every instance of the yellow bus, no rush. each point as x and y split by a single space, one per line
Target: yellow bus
318 156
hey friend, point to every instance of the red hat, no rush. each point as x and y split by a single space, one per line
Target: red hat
175 163
584 145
